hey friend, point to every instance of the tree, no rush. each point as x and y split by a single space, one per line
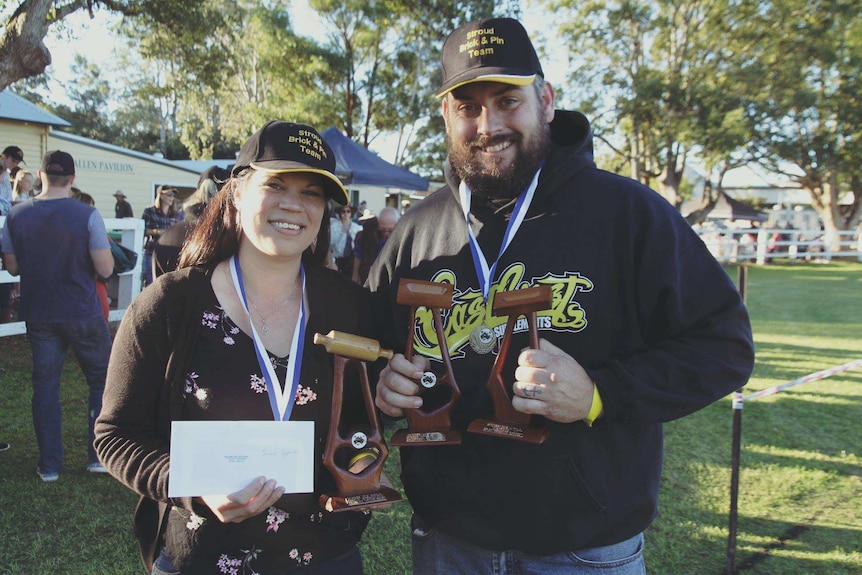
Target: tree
89 93
646 70
25 24
806 107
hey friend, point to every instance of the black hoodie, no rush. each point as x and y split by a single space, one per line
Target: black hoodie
637 300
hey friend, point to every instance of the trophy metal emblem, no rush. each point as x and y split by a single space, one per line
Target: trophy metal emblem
509 423
358 486
430 424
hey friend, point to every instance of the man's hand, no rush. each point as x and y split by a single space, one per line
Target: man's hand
397 388
251 500
549 382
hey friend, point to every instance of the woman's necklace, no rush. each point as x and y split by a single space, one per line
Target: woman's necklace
263 327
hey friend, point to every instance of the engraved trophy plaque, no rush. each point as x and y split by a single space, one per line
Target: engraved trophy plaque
358 489
509 423
430 424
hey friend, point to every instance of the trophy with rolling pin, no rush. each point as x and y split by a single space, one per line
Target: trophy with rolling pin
357 483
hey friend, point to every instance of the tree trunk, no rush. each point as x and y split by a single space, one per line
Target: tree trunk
22 52
824 199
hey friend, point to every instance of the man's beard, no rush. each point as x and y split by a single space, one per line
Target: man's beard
500 182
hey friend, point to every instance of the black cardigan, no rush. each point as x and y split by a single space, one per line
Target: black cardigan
146 375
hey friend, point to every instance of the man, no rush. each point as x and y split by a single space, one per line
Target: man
58 245
370 240
10 159
643 327
122 209
360 211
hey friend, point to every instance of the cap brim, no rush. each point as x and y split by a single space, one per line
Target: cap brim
513 79
336 192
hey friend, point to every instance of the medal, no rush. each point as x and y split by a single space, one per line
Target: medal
482 339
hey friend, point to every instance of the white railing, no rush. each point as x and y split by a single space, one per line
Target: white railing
127 285
758 245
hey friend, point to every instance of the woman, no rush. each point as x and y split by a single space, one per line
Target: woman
196 203
342 234
22 187
253 265
157 218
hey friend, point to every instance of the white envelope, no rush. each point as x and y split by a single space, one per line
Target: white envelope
221 457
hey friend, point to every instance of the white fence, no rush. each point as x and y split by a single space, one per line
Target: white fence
762 245
125 286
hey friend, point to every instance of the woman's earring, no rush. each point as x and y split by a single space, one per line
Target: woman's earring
313 245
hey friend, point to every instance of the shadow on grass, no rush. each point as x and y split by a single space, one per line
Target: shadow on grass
787 362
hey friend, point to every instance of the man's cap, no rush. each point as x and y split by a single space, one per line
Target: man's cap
489 50
14 152
120 193
287 147
58 163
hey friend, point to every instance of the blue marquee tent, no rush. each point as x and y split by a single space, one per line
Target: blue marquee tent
358 166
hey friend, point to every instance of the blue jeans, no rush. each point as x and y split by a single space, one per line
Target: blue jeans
435 553
49 342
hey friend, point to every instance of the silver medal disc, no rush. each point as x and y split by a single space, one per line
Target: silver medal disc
359 440
482 339
428 380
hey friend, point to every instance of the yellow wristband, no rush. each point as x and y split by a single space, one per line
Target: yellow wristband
596 408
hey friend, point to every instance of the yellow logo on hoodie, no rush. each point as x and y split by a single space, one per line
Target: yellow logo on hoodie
469 310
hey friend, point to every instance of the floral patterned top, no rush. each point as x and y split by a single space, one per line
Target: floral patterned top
225 382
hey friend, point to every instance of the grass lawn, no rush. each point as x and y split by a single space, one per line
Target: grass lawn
800 508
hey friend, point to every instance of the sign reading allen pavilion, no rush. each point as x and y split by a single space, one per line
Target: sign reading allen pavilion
104 166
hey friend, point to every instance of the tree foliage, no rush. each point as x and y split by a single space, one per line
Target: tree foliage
654 75
806 105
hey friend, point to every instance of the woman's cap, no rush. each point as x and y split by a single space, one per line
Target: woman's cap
287 147
489 50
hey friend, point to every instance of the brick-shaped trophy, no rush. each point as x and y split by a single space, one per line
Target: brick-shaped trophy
357 482
509 423
430 424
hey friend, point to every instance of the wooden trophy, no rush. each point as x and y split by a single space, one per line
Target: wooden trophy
430 424
508 422
357 489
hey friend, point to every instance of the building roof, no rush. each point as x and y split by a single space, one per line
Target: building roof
14 107
118 150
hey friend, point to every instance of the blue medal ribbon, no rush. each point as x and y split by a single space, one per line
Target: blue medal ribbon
485 273
281 401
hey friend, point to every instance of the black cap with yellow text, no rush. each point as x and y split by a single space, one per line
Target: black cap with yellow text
287 147
489 50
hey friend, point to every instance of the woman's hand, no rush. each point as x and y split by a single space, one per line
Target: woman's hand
249 501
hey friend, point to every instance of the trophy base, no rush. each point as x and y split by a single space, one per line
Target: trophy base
407 438
509 430
381 497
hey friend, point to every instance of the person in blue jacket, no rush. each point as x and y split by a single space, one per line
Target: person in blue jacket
644 327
